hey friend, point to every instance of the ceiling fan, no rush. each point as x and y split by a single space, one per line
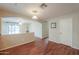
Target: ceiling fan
42 6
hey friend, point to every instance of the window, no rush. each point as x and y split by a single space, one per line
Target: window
13 28
10 25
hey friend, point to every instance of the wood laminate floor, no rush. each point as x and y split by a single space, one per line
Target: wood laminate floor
41 47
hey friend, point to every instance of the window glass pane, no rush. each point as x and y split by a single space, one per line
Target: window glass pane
13 28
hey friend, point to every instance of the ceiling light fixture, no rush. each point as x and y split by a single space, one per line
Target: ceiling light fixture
35 17
20 23
34 11
43 5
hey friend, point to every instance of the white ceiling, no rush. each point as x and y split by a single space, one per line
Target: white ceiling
53 9
15 19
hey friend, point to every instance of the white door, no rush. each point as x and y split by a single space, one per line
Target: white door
65 26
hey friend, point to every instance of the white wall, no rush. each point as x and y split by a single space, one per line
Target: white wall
75 41
63 31
0 25
23 27
0 34
54 32
36 27
45 29
67 31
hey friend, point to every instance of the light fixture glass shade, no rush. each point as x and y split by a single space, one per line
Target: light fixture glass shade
20 23
34 17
